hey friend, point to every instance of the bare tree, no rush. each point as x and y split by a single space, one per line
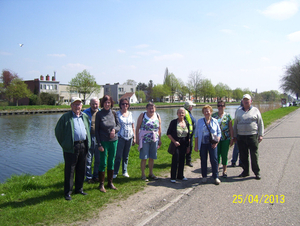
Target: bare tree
194 83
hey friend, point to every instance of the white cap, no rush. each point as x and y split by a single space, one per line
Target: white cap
247 96
188 103
74 99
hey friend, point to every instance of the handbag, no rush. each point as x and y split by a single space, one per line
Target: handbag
213 139
172 148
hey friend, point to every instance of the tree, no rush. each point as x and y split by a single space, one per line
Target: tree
130 82
159 91
7 77
194 83
140 96
237 94
290 82
141 86
220 90
85 84
206 89
17 90
172 83
183 90
150 91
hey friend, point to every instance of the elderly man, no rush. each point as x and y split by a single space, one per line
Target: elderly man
248 132
92 176
72 132
188 106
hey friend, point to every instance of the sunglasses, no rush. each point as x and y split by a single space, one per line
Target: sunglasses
221 105
124 104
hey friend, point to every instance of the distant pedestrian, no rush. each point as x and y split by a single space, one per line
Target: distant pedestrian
188 105
107 128
72 132
225 123
206 126
179 133
126 137
148 137
92 175
248 132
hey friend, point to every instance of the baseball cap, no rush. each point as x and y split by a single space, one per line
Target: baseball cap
247 96
188 103
74 99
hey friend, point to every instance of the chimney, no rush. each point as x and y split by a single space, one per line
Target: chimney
42 78
53 77
47 78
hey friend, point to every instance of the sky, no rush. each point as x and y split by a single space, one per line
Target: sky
240 43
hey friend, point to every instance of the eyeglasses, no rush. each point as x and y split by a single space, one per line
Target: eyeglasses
124 104
221 105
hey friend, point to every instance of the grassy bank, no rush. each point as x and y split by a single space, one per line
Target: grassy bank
29 200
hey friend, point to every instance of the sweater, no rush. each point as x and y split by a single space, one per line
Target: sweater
248 122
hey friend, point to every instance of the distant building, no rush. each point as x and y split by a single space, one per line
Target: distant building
131 96
116 91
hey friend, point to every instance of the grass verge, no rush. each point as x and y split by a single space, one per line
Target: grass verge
30 200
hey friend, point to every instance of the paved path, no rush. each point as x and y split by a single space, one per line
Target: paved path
194 203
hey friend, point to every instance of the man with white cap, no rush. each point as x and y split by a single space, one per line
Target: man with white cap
188 105
248 132
72 132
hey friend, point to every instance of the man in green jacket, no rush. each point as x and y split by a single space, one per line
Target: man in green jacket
72 132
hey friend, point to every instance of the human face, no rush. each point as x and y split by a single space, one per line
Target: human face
150 110
94 105
107 105
76 107
190 108
221 107
207 113
181 114
247 103
124 105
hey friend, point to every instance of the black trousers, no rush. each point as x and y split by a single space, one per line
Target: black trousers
188 157
75 162
178 158
246 144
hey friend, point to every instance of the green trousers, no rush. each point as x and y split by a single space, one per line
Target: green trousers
107 157
223 148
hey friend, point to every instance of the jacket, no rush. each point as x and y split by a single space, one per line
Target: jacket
172 130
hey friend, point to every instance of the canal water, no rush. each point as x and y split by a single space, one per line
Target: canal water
28 144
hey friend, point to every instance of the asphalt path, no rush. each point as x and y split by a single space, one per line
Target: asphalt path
273 200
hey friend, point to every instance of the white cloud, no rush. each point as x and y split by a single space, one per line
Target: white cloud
173 56
57 55
75 67
294 37
142 46
227 31
121 51
281 10
5 54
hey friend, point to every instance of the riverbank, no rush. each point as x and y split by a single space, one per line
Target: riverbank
28 200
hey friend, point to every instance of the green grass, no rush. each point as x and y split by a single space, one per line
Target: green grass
29 200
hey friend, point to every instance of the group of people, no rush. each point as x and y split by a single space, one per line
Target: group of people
106 136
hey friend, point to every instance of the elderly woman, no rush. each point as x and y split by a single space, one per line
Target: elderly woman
126 137
148 133
179 134
204 127
225 123
107 127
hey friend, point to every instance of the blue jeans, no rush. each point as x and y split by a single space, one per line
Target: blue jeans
213 156
93 152
235 154
123 149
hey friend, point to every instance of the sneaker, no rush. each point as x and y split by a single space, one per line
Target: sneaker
184 179
173 181
115 176
204 179
233 164
217 181
125 174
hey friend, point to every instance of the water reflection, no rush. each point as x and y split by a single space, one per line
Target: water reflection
28 143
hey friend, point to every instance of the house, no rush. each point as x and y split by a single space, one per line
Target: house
116 91
131 97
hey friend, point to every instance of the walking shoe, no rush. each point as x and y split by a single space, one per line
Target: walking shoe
144 178
115 176
68 197
233 164
185 179
204 179
217 181
153 177
173 181
190 164
257 177
243 175
125 174
225 175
